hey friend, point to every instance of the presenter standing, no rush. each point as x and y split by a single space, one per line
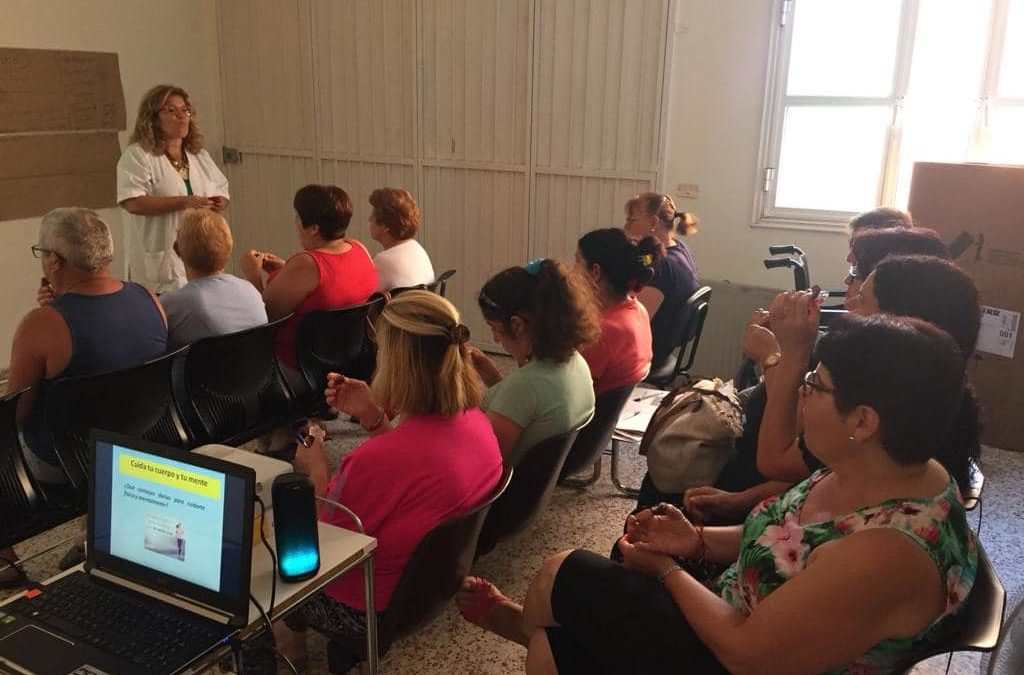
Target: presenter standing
164 171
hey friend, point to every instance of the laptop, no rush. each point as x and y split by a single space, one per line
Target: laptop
166 577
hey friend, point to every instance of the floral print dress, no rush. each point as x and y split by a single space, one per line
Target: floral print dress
776 546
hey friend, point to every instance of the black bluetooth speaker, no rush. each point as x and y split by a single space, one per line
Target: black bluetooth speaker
295 527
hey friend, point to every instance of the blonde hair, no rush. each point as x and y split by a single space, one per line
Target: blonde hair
664 208
204 240
147 127
423 365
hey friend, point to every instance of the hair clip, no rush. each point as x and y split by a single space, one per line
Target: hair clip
458 334
646 259
533 267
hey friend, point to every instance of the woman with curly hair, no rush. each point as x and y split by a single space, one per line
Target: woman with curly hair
541 314
164 171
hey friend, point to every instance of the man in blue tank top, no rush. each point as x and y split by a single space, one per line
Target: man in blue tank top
88 322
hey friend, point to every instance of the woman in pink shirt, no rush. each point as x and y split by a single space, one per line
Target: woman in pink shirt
619 267
439 461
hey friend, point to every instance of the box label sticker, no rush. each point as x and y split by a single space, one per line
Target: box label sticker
998 331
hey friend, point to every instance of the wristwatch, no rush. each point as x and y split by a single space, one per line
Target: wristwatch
772 359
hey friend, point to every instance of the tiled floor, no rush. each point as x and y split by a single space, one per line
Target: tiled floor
593 519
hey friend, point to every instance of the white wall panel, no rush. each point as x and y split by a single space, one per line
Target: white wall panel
261 214
476 223
266 70
567 206
366 77
476 56
599 81
359 179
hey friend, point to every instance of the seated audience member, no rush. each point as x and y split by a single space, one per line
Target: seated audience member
763 456
394 220
872 556
619 267
439 461
880 218
89 323
332 271
542 314
675 277
869 247
212 302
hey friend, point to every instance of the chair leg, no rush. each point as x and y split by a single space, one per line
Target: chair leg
582 483
616 481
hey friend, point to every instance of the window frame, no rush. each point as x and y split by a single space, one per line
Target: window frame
776 103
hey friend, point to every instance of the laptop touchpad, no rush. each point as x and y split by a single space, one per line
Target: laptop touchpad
38 651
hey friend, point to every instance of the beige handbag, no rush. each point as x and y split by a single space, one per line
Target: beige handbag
691 436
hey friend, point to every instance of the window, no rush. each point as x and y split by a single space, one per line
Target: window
859 90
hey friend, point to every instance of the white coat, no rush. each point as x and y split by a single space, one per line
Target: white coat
149 240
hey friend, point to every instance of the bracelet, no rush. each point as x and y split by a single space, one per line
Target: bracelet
702 549
662 575
375 425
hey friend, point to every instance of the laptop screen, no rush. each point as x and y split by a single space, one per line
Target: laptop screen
174 513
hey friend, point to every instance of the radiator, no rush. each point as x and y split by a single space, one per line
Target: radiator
719 352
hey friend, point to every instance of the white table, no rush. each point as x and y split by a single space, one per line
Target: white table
341 550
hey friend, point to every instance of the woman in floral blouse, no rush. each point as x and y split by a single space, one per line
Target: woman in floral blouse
848 572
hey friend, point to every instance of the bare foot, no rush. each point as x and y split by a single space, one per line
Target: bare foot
482 604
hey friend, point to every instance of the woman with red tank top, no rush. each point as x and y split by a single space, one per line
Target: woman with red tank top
332 271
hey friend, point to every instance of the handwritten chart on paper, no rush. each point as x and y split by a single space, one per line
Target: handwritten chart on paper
60 112
46 90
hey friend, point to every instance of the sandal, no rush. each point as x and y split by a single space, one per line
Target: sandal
485 597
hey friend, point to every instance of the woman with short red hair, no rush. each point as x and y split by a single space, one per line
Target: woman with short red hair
394 220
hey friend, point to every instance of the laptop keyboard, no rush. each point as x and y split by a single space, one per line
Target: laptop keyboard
134 629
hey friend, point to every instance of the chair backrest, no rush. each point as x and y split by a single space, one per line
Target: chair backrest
694 314
26 508
595 436
977 628
438 565
686 335
440 284
336 340
535 478
136 401
431 577
230 389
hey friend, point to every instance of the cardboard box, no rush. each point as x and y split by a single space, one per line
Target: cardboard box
56 90
979 211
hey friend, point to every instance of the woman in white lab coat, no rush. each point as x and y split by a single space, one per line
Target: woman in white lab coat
164 171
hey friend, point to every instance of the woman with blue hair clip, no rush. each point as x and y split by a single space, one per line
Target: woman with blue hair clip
542 314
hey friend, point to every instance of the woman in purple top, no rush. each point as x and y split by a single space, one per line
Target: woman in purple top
675 277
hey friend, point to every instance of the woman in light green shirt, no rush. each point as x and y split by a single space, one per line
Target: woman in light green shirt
541 314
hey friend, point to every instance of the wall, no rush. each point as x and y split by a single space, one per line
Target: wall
717 67
157 42
718 62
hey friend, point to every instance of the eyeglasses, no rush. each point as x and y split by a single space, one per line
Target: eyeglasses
38 251
851 276
811 381
171 110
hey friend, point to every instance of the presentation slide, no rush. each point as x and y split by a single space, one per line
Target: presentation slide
167 516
